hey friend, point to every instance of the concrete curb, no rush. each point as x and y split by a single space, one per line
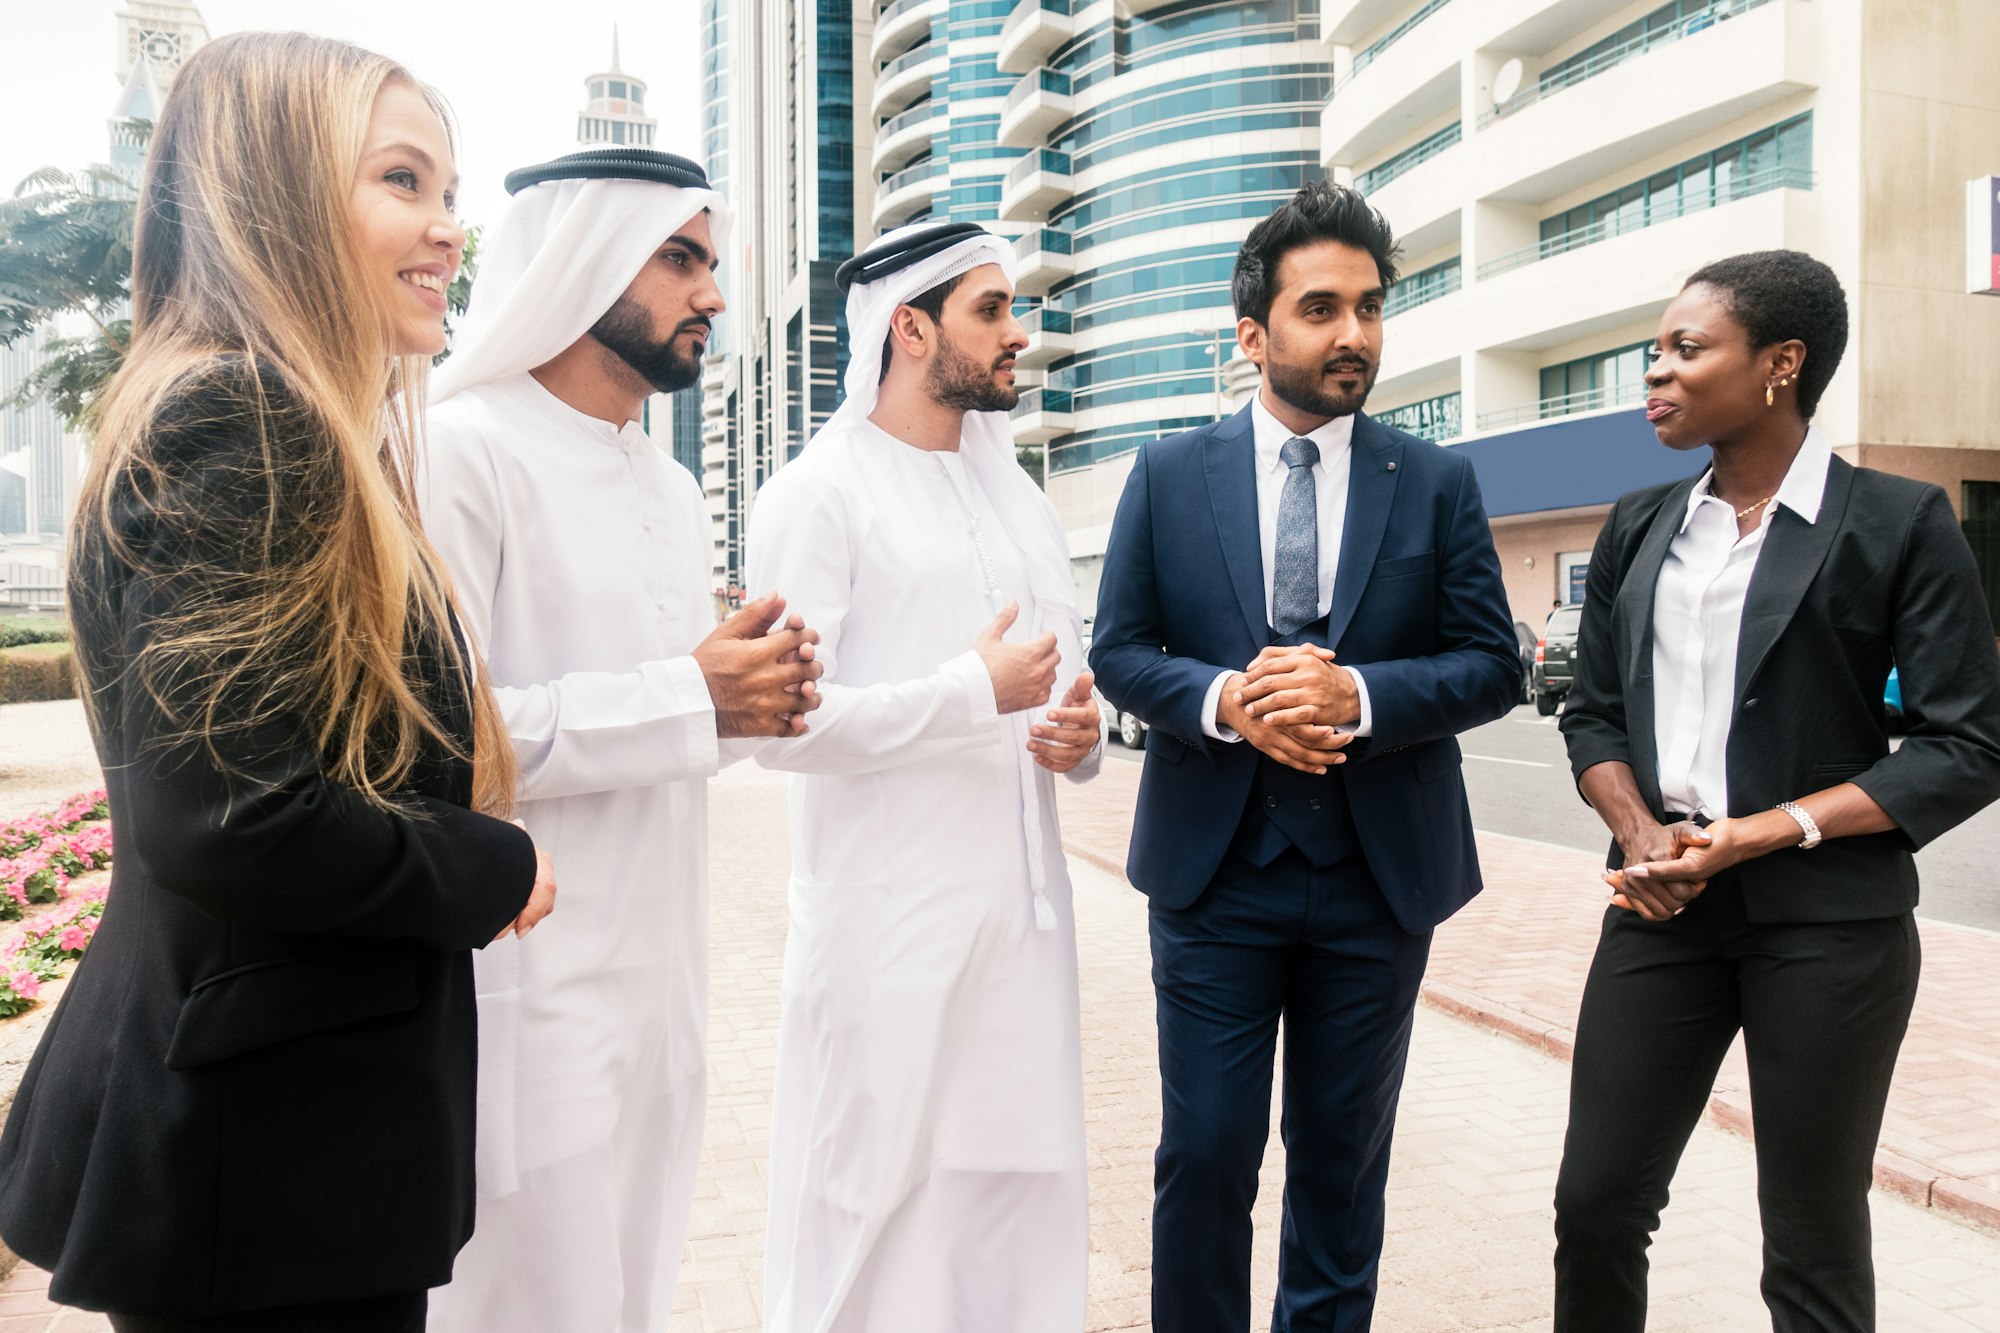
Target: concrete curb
1898 1172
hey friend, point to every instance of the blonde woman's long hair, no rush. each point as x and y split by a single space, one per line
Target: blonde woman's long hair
246 255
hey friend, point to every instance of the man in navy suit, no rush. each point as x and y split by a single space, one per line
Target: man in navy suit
1305 607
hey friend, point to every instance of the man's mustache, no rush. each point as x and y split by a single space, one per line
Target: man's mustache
1347 365
701 322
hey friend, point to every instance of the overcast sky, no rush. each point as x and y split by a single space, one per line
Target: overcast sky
513 71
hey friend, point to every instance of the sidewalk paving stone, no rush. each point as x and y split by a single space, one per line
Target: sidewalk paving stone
1476 1150
1514 960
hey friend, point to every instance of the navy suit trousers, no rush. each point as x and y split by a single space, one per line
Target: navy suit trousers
1320 950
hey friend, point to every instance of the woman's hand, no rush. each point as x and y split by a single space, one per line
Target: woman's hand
1657 889
1651 846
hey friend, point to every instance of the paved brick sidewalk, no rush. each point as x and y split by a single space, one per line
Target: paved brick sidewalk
1469 1196
1515 959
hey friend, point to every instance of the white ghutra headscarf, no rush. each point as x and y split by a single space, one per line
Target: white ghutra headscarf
579 230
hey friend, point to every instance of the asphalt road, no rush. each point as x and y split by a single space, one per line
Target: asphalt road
1517 779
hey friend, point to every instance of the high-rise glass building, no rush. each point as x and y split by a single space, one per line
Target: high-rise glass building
1149 139
1554 168
1126 145
779 133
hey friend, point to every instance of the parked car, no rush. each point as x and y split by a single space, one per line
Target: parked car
1525 639
1554 656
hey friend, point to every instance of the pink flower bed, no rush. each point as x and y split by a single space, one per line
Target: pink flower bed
40 857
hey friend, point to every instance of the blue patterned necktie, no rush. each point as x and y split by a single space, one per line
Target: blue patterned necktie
1295 565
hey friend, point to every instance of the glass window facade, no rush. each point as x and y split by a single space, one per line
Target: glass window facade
1603 379
1780 156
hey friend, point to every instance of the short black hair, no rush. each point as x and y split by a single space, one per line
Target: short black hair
1319 212
932 304
1779 295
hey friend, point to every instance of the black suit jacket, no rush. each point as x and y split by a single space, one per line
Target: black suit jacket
258 1089
1883 577
1418 606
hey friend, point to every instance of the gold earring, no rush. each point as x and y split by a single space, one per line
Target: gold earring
1770 396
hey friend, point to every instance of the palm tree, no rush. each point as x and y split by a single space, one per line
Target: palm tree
66 248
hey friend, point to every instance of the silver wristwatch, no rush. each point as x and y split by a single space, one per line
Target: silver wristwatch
1806 824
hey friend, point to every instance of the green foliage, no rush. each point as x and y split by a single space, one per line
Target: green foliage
66 248
458 296
1030 457
18 630
65 245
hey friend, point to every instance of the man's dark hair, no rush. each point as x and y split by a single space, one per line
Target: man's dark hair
1321 211
932 304
1779 295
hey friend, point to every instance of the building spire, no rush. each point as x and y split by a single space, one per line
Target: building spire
615 67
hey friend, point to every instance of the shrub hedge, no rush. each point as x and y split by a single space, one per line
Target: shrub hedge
36 672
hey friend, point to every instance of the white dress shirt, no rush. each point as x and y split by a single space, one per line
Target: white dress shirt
1335 440
1697 616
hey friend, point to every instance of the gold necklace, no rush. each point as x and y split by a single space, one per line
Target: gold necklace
1748 510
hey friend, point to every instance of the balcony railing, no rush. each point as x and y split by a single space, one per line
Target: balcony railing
910 175
910 59
1368 54
1423 286
1041 239
1040 80
1650 214
897 10
922 111
1384 172
1030 11
1433 419
1045 319
1042 159
1569 75
1042 400
1569 404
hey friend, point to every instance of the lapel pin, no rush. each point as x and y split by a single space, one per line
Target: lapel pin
1392 467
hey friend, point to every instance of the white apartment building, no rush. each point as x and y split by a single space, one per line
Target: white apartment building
1556 170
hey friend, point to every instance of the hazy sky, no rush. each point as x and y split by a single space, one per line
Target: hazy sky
513 71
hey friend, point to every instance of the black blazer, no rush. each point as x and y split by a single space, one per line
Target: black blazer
1418 605
258 1089
1884 577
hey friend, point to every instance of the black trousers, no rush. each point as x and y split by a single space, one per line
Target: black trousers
1823 1007
382 1314
1320 950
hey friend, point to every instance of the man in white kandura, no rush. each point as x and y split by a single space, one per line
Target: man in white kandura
927 1153
579 550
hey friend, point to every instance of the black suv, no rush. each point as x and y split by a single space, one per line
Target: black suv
1554 656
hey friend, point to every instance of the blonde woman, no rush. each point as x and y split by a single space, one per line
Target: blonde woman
253 1109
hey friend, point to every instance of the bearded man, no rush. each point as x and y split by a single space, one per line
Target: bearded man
927 1154
580 553
1302 823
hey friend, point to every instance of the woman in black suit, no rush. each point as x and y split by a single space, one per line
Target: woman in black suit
1726 723
253 1108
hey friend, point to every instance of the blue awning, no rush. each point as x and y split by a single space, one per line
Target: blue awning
1573 463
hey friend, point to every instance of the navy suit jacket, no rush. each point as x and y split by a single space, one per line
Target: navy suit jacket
1418 607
